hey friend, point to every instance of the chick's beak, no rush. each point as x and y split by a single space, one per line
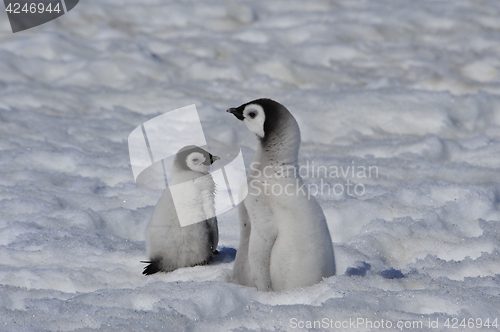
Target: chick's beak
237 113
214 158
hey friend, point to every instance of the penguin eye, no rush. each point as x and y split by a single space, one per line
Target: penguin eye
195 160
252 115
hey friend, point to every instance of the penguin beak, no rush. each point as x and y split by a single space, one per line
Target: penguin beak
214 159
237 113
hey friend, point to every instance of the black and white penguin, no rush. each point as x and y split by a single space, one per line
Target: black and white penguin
170 245
284 238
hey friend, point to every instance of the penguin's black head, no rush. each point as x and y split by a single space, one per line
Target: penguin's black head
194 158
261 116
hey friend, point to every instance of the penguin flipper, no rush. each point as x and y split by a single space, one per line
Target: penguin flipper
153 267
241 268
213 233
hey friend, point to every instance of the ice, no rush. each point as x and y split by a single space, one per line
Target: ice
410 87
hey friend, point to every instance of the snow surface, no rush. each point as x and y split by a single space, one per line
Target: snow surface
411 87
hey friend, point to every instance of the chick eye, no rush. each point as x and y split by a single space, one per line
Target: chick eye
252 115
195 160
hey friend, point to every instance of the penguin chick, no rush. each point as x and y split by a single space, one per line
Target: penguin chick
284 238
169 245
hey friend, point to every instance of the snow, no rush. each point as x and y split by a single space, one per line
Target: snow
409 87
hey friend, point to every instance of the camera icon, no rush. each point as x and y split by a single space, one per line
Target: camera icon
152 149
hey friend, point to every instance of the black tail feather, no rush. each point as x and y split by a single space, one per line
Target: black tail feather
152 268
155 265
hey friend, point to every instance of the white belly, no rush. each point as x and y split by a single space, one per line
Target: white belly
302 253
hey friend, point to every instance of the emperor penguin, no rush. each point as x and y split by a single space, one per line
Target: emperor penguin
284 238
169 244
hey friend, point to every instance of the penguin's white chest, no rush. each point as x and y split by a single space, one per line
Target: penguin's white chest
190 197
303 243
276 200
